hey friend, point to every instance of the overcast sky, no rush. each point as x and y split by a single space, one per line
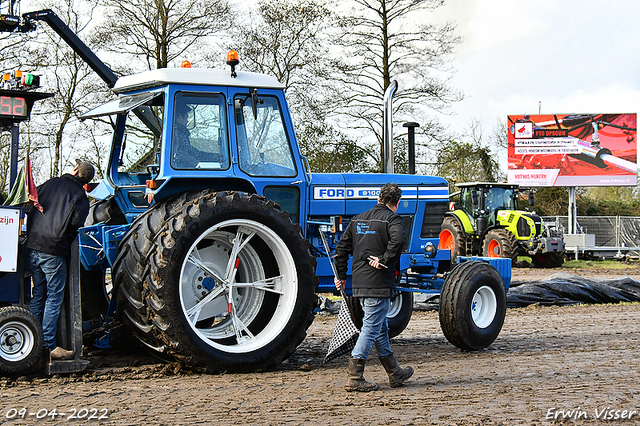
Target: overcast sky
573 56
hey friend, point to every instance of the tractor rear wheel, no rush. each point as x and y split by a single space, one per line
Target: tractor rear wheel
500 243
400 313
219 281
21 339
452 238
473 305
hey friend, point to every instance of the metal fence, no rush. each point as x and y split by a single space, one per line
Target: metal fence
613 232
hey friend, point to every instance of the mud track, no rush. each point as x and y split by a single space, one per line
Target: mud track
548 362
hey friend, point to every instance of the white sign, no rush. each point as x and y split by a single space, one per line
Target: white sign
524 130
9 232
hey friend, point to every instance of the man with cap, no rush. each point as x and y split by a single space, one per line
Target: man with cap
49 237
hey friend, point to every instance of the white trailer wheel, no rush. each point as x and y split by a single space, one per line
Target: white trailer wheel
483 307
16 341
21 340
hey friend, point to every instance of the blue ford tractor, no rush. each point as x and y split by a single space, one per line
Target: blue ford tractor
204 242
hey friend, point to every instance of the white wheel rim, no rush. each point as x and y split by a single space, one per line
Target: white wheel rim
208 273
16 341
483 307
396 306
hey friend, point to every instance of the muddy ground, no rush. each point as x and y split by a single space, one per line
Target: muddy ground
578 361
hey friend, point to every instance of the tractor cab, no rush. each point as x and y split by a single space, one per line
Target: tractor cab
481 201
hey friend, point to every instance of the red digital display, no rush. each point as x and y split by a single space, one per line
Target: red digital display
13 105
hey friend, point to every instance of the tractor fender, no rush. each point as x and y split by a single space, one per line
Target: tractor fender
463 219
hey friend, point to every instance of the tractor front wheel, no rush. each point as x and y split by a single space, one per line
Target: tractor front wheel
548 260
500 243
400 313
473 305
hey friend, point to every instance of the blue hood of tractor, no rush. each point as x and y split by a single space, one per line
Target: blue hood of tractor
352 193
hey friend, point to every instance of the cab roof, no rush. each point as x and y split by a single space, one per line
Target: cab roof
194 76
488 185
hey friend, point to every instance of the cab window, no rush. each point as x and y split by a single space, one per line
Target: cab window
199 134
263 145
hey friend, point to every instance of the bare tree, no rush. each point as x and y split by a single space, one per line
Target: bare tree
289 40
385 40
161 31
54 126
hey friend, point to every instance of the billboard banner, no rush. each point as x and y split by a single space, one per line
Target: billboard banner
573 150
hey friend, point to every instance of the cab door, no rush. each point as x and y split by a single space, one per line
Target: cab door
265 149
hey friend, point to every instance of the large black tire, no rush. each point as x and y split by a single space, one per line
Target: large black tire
400 313
452 237
21 340
473 305
177 256
548 260
500 243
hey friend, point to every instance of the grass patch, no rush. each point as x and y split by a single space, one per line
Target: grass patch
592 264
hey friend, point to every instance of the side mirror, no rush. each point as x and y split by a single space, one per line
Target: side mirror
254 102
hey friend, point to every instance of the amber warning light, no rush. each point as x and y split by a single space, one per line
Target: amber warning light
233 60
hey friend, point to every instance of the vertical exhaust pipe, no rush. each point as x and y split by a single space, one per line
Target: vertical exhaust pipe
388 126
411 140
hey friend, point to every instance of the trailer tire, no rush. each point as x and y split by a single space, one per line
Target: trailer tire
400 313
178 253
21 339
452 238
500 243
473 305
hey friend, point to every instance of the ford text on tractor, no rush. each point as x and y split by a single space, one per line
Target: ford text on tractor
486 221
204 242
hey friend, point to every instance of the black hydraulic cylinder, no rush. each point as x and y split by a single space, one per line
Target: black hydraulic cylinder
411 136
74 42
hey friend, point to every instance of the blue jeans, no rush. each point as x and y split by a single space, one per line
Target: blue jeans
49 275
375 328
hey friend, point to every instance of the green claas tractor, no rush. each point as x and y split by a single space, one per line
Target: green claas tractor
485 221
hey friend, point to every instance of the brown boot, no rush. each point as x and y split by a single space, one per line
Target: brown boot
397 374
356 380
61 354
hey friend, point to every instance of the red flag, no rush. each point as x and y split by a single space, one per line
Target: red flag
32 191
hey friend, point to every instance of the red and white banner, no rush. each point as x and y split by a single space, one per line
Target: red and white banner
573 150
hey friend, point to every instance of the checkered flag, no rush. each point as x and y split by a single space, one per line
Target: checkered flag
344 336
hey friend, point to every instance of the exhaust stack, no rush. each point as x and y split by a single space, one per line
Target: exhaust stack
388 127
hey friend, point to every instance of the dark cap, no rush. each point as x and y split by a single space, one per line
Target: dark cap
85 171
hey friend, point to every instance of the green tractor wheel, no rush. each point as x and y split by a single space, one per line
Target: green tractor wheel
500 243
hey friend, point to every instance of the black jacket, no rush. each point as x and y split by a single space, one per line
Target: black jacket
65 207
376 232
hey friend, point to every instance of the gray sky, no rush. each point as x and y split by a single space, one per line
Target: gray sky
574 56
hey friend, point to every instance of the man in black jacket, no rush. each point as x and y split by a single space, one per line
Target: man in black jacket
49 237
375 238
